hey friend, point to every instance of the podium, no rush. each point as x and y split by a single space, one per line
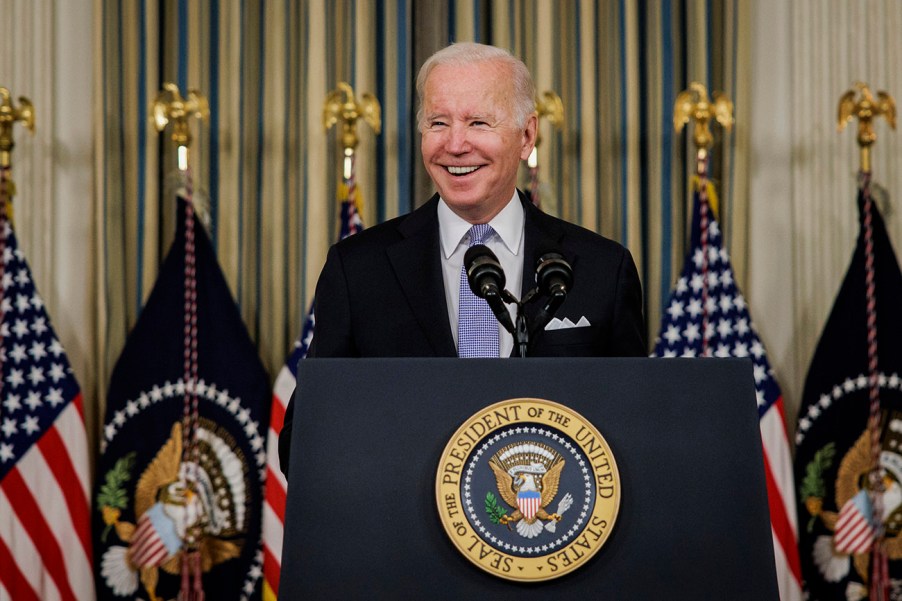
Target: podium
362 520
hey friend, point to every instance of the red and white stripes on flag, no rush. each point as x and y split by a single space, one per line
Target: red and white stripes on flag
276 485
45 531
45 537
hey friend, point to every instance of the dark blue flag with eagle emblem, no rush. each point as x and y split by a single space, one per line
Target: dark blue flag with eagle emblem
179 484
834 456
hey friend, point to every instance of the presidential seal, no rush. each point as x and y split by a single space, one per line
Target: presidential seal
528 490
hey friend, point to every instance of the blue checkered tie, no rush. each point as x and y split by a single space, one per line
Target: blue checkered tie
477 328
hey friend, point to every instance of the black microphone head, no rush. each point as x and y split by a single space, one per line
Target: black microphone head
484 272
554 276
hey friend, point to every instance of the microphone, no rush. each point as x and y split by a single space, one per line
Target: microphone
554 278
486 279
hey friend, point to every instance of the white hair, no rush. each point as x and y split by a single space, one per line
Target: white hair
467 53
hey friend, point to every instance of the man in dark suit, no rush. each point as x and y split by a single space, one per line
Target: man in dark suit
395 290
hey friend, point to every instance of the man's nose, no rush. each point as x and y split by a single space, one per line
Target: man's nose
458 139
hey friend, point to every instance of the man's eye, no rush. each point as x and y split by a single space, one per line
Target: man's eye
435 124
479 124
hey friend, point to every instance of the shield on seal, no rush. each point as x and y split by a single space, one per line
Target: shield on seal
528 502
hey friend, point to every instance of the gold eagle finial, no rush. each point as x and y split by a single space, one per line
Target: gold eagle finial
342 106
551 107
9 114
170 106
866 109
693 103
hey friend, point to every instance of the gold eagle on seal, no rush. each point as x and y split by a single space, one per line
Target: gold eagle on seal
528 475
216 509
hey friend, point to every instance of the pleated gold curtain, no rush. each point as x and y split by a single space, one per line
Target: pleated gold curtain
267 171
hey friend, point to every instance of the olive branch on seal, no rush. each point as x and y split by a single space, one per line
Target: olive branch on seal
494 509
813 490
112 497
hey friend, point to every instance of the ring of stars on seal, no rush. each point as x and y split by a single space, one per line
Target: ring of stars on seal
585 506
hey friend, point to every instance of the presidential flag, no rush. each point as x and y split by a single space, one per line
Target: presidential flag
276 485
45 539
179 484
707 316
834 452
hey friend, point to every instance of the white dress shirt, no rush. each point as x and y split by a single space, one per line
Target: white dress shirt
507 244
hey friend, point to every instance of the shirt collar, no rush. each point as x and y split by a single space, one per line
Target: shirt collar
508 225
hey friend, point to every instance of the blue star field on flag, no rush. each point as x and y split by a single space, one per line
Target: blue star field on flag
719 309
38 381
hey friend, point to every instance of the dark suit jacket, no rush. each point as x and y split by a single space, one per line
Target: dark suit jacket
381 294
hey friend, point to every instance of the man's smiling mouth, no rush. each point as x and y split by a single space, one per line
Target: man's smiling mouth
461 170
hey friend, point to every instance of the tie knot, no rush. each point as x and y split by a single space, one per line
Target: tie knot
479 233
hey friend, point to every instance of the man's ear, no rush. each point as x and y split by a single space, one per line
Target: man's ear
529 136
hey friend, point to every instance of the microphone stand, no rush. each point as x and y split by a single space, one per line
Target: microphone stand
521 329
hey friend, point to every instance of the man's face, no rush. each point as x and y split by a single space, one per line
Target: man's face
471 143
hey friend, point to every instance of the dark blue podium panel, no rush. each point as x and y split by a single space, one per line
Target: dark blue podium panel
362 520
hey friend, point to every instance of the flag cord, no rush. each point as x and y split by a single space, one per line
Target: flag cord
190 451
5 199
703 241
191 567
350 180
879 562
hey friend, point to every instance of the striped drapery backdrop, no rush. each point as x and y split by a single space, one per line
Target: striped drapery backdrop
264 169
267 172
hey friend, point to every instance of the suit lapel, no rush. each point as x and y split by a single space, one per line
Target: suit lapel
424 288
542 233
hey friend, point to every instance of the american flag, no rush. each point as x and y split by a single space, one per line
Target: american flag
45 533
276 486
708 316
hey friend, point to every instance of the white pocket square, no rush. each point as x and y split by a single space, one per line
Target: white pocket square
558 324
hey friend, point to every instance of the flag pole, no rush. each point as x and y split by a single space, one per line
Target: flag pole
866 109
693 103
170 107
550 107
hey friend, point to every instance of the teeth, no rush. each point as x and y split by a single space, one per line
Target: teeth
461 170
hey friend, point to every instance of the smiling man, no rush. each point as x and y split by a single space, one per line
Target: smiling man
395 290
477 120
